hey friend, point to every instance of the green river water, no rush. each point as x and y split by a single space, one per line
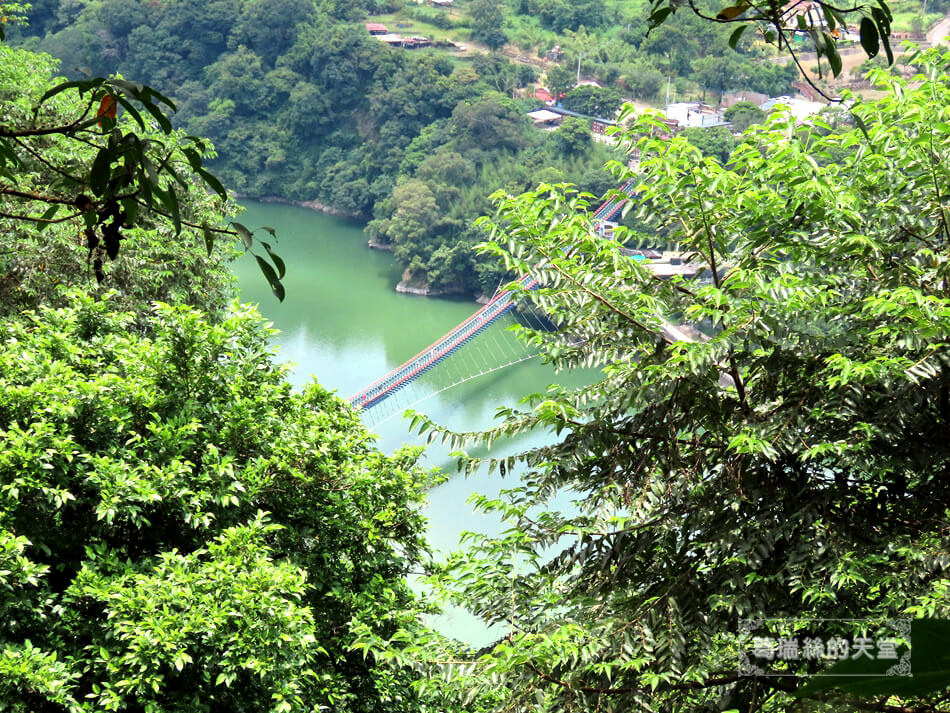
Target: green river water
343 323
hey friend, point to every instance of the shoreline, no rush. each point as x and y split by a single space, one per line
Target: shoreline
310 205
404 286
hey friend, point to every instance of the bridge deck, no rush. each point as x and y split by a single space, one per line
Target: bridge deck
445 346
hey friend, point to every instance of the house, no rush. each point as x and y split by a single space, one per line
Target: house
543 117
416 42
554 55
374 28
410 43
800 108
730 98
694 114
542 94
390 39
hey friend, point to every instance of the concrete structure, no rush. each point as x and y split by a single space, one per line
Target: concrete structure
554 55
694 114
801 108
394 40
543 117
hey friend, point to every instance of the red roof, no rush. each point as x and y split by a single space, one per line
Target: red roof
376 27
542 94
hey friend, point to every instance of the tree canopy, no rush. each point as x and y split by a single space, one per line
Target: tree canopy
179 530
81 154
789 460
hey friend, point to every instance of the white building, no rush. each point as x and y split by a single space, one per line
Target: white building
800 108
693 114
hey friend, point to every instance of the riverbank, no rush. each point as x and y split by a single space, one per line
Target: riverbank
310 205
405 286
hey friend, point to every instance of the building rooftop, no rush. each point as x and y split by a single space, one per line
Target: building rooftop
542 116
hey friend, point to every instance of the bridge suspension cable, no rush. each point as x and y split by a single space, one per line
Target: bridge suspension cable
445 346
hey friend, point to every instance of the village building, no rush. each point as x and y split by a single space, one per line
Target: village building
545 118
801 108
394 40
542 94
694 115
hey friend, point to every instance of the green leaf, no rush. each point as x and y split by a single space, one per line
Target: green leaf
48 215
736 35
829 17
170 201
194 158
145 185
83 85
834 59
100 172
869 39
159 116
152 91
133 89
883 21
732 12
131 208
245 234
859 122
177 176
658 16
271 277
209 238
278 262
212 181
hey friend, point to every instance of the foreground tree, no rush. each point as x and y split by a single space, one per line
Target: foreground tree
181 532
790 463
778 23
47 245
100 156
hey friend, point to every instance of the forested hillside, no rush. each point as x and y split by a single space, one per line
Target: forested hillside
303 104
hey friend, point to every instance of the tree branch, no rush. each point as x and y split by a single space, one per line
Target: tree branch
46 221
36 196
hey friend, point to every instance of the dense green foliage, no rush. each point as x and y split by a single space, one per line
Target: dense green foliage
53 240
742 115
303 104
179 531
790 463
593 101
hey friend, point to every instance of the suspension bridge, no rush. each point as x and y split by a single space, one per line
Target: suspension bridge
450 343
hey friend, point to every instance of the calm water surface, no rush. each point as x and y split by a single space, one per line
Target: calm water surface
343 324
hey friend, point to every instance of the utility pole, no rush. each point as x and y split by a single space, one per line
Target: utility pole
579 68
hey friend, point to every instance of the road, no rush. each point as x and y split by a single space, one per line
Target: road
938 33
